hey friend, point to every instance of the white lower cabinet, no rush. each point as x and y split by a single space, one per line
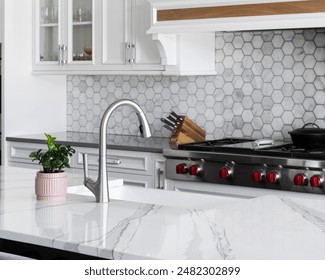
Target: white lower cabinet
18 154
136 168
140 169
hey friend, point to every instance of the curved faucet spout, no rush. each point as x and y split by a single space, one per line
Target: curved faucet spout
100 186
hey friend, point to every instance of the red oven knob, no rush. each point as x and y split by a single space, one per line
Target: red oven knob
272 177
316 181
181 168
257 176
300 179
195 170
224 173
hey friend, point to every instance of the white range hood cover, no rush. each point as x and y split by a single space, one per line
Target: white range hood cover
283 21
187 47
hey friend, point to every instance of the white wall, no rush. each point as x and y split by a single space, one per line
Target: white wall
31 104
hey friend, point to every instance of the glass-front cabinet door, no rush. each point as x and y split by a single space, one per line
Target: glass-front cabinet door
82 30
48 31
64 34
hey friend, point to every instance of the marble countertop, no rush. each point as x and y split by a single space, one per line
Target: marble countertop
83 139
268 227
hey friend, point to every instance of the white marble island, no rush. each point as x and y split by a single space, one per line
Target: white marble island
267 227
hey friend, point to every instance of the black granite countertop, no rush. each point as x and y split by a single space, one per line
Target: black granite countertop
83 139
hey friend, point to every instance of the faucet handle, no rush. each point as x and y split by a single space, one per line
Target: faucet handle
85 165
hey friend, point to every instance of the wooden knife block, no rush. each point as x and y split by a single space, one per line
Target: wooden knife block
186 132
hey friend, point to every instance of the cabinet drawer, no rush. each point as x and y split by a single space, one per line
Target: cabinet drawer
19 152
134 180
131 162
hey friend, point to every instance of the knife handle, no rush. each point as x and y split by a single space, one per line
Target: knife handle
169 128
174 121
168 123
178 117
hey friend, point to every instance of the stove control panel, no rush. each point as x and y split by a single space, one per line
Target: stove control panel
247 174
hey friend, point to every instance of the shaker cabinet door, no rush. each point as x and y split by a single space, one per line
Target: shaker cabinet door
116 27
145 53
126 44
47 28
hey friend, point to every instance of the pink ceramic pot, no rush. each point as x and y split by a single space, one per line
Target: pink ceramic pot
51 186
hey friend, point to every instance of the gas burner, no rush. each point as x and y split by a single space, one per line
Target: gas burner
212 145
311 151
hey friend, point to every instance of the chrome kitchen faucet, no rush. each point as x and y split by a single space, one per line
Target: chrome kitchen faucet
100 187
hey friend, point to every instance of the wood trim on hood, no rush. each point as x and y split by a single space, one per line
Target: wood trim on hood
245 10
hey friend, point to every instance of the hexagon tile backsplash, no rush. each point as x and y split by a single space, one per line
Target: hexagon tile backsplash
268 83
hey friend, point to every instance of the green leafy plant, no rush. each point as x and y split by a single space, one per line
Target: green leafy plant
55 158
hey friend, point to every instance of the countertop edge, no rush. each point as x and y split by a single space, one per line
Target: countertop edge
87 145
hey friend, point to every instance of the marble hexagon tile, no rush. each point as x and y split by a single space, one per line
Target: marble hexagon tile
267 83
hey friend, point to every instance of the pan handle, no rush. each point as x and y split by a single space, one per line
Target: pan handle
310 124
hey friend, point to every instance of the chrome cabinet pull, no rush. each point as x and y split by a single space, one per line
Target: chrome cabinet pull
60 55
133 53
113 161
128 47
130 53
63 54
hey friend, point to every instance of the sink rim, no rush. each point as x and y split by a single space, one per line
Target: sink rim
169 198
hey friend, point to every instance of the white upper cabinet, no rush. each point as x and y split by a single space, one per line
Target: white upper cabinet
126 45
64 35
93 37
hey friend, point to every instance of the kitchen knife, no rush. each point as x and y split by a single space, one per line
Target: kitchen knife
173 120
170 124
169 128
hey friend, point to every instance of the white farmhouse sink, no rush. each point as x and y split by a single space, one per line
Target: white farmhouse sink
156 196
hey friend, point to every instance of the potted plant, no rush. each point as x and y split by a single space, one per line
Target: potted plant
51 182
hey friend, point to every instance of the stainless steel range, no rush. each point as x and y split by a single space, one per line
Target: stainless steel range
249 166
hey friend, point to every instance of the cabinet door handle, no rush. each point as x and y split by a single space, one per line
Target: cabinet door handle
130 52
64 54
60 55
133 53
128 49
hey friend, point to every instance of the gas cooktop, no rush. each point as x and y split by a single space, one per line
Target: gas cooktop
265 147
261 163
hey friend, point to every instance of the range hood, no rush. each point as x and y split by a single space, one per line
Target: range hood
185 29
